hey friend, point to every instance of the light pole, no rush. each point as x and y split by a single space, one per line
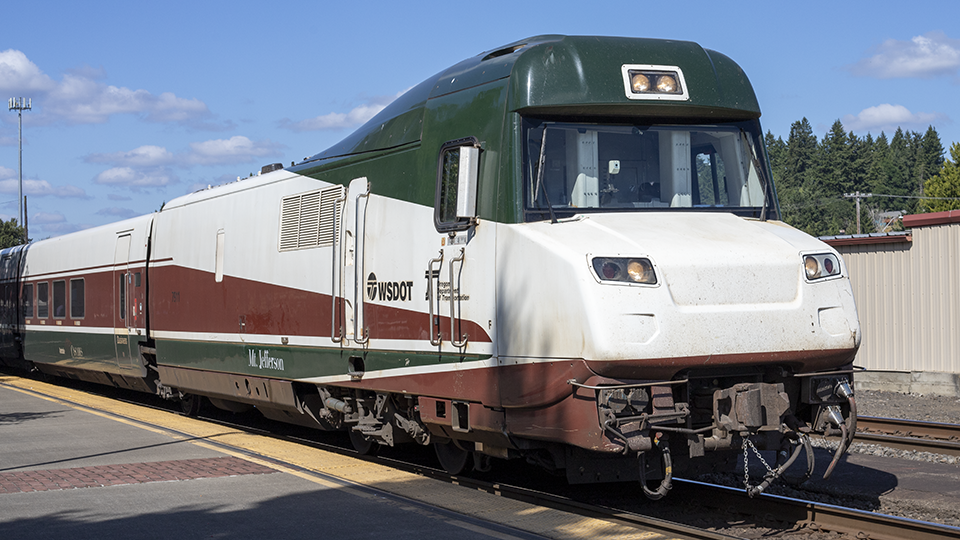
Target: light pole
20 104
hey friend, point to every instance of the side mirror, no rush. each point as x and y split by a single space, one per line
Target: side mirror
468 177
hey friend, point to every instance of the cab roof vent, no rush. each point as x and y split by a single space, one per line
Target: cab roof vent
503 52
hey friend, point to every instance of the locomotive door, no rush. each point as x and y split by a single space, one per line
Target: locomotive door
460 278
121 302
351 253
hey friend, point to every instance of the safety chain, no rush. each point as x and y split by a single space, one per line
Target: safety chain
746 464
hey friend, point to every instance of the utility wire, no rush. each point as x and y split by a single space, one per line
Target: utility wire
918 197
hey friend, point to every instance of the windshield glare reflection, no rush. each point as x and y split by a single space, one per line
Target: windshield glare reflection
589 167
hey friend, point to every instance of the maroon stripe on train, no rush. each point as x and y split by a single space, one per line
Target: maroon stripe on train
187 300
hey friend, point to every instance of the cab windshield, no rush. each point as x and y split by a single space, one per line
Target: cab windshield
572 168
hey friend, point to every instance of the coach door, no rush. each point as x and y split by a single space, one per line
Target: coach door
122 288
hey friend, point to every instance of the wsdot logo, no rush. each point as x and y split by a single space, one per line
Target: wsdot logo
388 291
372 286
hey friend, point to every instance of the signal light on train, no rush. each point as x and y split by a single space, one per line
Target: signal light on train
625 270
653 82
821 265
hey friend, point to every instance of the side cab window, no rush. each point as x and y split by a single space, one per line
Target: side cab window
458 172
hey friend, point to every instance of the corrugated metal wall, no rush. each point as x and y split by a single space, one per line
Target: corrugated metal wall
908 299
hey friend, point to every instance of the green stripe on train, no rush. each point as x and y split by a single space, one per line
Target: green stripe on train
291 362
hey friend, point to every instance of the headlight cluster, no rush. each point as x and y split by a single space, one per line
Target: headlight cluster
625 270
821 265
653 82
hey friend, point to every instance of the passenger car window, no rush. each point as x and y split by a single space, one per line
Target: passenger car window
60 299
27 296
43 308
77 306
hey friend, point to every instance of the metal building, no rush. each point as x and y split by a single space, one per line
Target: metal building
907 288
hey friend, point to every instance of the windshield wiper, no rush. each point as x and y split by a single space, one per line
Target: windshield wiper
539 184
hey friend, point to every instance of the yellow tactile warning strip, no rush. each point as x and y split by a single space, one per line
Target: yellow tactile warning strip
519 515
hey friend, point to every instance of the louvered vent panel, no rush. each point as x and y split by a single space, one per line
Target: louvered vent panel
289 223
329 215
310 219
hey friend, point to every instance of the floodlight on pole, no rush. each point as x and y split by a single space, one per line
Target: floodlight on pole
20 104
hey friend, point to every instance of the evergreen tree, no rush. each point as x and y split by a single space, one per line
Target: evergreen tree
801 153
812 176
944 184
929 157
777 154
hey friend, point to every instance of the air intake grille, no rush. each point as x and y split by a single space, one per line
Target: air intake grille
311 219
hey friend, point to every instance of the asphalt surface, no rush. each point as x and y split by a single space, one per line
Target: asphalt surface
82 466
66 472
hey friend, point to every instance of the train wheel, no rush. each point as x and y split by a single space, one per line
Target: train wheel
190 404
362 444
452 458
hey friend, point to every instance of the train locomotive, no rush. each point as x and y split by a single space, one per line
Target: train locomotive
564 250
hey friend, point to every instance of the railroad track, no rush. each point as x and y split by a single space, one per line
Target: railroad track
932 437
814 516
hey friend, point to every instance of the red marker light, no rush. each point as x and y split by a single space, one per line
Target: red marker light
611 270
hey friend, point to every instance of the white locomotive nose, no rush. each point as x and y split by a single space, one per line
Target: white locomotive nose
728 290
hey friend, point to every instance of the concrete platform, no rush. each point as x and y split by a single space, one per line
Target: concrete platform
81 466
927 383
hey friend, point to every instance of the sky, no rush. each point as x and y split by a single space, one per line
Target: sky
137 103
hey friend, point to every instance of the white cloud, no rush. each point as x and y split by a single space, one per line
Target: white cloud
115 211
41 188
237 149
356 117
137 178
19 74
80 98
887 117
147 166
143 156
44 218
925 56
57 229
170 108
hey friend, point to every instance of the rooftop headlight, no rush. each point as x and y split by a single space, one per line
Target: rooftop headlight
821 265
625 270
639 82
642 81
667 84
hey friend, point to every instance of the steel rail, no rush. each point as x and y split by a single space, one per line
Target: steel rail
821 516
935 437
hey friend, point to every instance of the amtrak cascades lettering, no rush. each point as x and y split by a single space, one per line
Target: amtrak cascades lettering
388 291
261 359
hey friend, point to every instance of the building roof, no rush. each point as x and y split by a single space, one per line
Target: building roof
933 218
